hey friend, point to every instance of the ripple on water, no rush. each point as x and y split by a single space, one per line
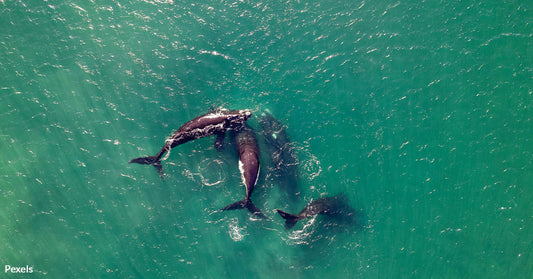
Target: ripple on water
211 172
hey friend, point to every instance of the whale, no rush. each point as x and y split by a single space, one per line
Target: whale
214 123
333 206
248 150
284 163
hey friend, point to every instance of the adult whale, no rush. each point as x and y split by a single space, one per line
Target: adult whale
249 167
336 206
213 123
284 163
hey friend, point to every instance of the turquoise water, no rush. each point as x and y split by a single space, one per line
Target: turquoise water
420 112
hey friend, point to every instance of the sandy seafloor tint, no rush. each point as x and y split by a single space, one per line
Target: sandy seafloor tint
419 112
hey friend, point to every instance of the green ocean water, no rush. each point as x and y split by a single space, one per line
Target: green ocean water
419 112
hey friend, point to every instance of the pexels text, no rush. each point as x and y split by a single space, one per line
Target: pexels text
18 269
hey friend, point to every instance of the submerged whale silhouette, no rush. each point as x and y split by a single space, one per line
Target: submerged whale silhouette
284 163
330 206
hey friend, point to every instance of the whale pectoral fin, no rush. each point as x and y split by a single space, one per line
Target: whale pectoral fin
219 141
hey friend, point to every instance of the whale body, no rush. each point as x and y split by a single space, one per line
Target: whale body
330 206
213 123
284 170
248 151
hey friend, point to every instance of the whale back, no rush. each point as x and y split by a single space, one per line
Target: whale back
325 206
224 119
248 150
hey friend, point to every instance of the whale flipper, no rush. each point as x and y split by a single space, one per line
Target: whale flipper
219 141
246 203
290 219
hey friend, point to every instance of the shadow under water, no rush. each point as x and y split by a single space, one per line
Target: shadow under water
336 211
284 164
323 225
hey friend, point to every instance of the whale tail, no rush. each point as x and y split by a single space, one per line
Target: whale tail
150 160
290 219
246 203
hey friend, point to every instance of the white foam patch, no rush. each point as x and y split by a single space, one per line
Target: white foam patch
236 232
300 236
215 53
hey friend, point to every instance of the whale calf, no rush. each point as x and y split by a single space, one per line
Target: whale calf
213 123
331 206
248 151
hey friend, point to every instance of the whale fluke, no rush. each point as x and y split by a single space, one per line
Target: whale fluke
290 219
159 167
151 160
148 160
246 203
